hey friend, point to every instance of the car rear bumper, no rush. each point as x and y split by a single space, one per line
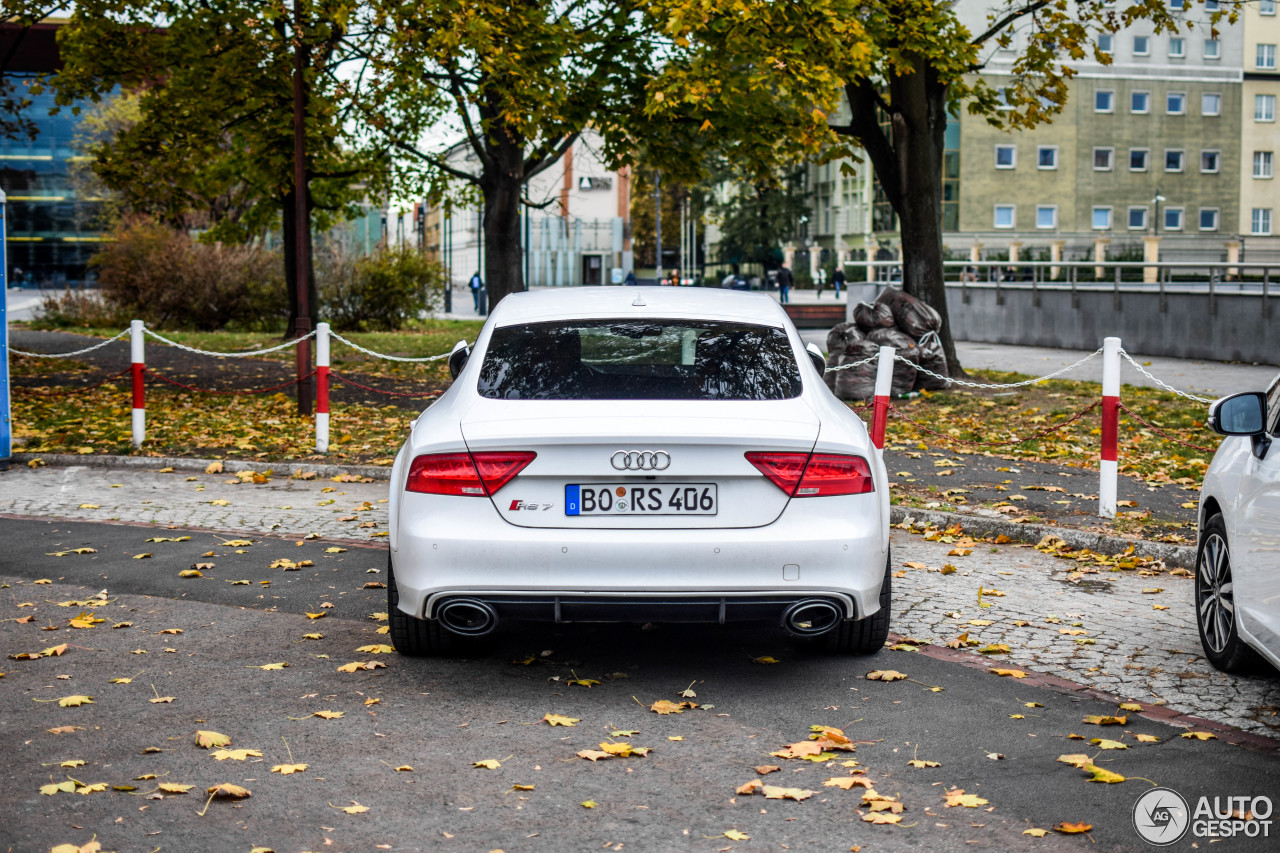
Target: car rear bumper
830 548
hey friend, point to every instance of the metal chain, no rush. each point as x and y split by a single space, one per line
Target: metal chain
1158 431
117 336
1021 384
852 365
198 351
356 346
1166 386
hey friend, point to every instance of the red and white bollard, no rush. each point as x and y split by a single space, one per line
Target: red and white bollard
322 387
1108 463
884 385
137 349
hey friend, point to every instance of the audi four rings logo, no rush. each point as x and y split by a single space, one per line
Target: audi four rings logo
640 460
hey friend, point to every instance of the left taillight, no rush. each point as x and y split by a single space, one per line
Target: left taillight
815 475
474 475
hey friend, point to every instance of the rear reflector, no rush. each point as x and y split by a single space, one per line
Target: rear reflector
475 475
803 475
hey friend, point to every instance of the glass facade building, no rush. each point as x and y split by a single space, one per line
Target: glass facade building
52 230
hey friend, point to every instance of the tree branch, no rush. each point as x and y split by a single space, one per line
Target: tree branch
995 28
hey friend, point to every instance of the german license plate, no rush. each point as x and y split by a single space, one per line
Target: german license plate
630 499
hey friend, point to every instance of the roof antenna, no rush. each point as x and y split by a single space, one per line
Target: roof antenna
639 301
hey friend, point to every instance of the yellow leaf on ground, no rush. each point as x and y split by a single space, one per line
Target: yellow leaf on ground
235 754
589 804
66 787
522 787
845 783
666 706
190 573
319 615
1099 720
379 649
1130 706
1146 738
361 664
919 764
1101 775
404 768
270 666
1103 743
209 740
772 792
328 715
488 763
558 720
593 754
214 467
1035 833
74 701
765 660
1009 673
1076 759
355 808
1199 735
750 787
734 835
886 675
958 797
882 817
764 769
226 789
313 636
174 787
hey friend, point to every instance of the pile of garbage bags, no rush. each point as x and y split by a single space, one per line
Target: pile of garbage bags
895 319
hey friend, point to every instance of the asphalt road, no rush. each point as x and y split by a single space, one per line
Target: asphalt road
441 716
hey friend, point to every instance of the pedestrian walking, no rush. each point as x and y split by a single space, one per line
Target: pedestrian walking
631 279
785 280
822 280
476 284
838 281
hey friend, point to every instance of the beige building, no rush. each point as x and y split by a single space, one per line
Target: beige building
1260 133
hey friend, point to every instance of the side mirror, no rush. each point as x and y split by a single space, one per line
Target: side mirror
815 355
1242 414
458 358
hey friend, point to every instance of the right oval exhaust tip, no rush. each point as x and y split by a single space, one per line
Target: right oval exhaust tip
811 618
468 617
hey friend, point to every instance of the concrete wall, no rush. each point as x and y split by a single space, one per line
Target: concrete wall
1228 326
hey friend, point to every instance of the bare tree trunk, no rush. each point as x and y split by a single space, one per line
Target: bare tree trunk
289 230
503 253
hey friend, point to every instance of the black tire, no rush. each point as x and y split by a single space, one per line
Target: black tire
1215 603
864 636
411 636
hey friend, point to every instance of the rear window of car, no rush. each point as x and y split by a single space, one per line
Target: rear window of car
639 360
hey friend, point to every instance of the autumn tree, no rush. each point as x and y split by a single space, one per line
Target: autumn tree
908 67
17 17
211 139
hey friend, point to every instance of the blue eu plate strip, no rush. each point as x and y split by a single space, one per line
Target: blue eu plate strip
571 498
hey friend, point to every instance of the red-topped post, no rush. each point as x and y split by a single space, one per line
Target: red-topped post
322 387
1108 463
884 385
137 349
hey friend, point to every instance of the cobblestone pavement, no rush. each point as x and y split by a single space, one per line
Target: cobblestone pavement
1102 630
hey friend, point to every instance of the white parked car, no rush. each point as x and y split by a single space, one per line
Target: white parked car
1238 560
608 454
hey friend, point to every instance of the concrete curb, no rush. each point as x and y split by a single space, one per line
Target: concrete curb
1183 556
183 463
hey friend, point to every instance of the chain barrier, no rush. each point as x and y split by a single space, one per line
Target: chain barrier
198 351
897 413
117 336
36 392
238 392
1021 384
867 360
1165 385
356 346
1158 431
349 381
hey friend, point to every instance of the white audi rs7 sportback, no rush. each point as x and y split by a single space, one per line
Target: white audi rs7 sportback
618 454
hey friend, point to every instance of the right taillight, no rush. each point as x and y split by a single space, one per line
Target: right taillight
461 474
804 475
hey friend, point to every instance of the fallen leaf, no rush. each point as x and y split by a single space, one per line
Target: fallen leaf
190 573
226 789
958 797
171 787
1009 673
765 769
1101 775
735 835
74 701
328 715
355 808
846 782
319 615
919 764
270 666
772 792
75 762
489 763
1146 738
750 787
666 706
379 649
209 740
558 720
355 665
882 817
589 804
594 754
885 675
1100 720
765 660
1199 735
1035 833
1104 743
236 754
1072 828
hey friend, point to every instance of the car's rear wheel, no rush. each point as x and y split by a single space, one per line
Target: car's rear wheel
864 636
1216 603
412 636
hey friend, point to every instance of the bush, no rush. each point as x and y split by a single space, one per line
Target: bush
80 308
383 291
166 278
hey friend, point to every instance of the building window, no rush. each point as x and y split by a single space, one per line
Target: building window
1002 99
1264 107
1105 43
1173 159
1004 217
1138 159
1260 221
1104 101
1177 4
1266 7
1177 47
1266 57
1173 219
1208 219
1212 49
1211 5
1137 218
1047 157
1140 102
1101 218
1262 164
1210 161
1211 104
1047 216
1006 156
1141 45
1103 158
1175 103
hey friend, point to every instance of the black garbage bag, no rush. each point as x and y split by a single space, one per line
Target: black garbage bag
904 373
854 383
841 336
910 314
873 315
932 357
